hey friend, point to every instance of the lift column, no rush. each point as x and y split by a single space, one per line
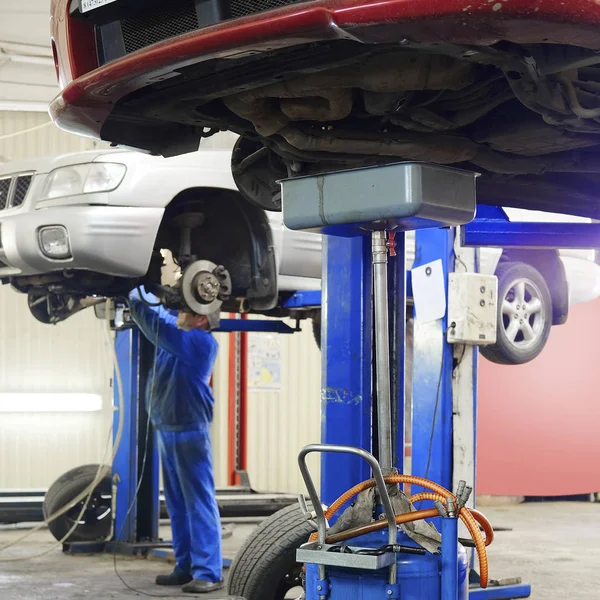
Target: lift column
136 463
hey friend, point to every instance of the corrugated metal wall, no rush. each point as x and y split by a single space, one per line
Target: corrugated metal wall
221 414
72 357
44 141
280 422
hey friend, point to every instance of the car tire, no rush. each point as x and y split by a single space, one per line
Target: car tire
524 315
96 523
265 568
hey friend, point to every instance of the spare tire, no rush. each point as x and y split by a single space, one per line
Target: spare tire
96 522
265 567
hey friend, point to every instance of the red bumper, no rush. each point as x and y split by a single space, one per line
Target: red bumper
86 102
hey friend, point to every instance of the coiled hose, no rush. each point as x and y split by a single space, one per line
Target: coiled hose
480 518
472 519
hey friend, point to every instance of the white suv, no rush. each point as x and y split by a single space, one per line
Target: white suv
94 224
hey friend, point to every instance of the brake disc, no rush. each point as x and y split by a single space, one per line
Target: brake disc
205 286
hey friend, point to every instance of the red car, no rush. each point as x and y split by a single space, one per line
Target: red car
510 88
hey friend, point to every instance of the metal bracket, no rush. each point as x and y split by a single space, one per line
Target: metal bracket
492 227
322 587
505 592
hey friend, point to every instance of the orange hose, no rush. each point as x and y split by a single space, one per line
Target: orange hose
485 524
469 520
377 525
479 517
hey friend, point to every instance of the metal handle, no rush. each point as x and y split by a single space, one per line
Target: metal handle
314 496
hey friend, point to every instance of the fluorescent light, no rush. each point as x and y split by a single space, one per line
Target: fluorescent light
44 403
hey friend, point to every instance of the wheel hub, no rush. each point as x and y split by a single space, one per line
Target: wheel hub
207 286
204 287
522 306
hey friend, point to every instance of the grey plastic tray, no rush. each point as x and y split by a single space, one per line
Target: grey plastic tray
401 196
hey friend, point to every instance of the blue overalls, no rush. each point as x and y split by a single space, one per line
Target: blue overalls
181 410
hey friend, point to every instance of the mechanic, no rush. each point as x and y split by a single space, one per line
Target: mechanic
180 403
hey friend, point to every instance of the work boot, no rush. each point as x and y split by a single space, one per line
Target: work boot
199 586
175 578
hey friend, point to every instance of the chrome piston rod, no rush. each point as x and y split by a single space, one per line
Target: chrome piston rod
382 349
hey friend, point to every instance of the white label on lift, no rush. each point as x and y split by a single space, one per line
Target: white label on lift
429 292
87 5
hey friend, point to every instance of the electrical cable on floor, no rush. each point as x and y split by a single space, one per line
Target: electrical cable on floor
88 492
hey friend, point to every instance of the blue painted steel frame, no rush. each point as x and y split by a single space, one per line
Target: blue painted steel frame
505 592
304 299
450 583
347 406
491 227
229 325
126 465
346 358
124 468
432 441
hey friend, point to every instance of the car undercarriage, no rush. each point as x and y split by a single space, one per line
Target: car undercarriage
526 116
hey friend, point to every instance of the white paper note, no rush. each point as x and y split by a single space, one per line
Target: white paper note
429 293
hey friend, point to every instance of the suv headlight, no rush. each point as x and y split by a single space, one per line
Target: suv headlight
83 179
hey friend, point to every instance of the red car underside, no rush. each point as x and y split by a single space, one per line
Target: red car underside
508 88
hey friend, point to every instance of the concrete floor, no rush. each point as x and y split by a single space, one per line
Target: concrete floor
555 547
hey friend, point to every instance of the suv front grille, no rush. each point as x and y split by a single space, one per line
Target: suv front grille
243 8
21 189
4 191
154 27
13 190
157 22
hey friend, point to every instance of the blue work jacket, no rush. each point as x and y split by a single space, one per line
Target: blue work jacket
181 398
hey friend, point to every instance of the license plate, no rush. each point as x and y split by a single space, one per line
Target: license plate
87 5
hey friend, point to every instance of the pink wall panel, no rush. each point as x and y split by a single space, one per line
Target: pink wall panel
539 423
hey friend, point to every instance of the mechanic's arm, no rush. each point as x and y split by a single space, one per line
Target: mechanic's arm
151 319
